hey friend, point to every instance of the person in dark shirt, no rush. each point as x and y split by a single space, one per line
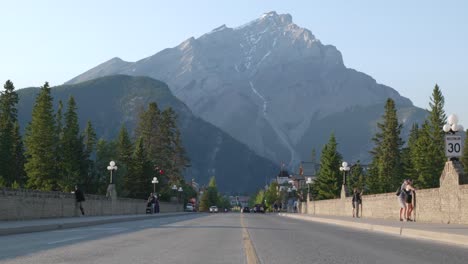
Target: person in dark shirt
357 201
79 197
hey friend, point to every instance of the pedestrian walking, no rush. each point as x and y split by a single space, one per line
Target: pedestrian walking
156 203
357 201
401 193
79 198
409 190
151 203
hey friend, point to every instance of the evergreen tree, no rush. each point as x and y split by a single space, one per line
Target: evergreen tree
356 177
464 159
89 139
409 154
60 170
105 152
137 182
386 173
329 180
210 196
18 157
125 151
72 149
8 118
40 142
432 155
148 129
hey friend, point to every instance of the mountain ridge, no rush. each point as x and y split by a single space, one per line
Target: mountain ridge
266 83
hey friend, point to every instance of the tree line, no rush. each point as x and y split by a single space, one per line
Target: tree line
55 155
421 158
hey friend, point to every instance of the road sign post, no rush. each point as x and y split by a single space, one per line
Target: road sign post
453 146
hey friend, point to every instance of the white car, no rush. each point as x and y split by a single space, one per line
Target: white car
189 208
213 209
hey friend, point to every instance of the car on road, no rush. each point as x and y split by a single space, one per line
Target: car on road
189 208
245 210
213 209
259 208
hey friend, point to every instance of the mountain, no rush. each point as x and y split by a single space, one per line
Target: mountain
273 86
112 101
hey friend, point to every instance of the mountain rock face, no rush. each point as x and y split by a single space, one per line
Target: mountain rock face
269 84
111 101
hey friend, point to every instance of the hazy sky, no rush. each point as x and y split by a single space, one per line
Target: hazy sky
408 45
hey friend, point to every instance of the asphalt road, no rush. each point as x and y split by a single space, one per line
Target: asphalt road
221 238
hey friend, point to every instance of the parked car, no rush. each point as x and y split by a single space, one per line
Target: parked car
213 209
189 208
245 210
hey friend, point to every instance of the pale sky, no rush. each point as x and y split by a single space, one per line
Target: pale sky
408 45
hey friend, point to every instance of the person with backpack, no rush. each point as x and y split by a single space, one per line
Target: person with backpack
79 198
401 193
357 201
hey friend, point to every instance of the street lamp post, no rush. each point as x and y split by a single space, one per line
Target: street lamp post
309 181
154 182
111 168
453 142
111 191
344 168
180 190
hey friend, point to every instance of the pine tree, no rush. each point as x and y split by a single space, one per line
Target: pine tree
148 129
18 157
40 143
464 159
125 151
105 152
210 196
329 180
72 149
8 118
434 153
137 183
60 170
89 141
409 154
356 177
386 172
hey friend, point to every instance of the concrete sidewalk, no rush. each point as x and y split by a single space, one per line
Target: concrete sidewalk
446 233
39 225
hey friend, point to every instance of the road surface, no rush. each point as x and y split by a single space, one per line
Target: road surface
221 238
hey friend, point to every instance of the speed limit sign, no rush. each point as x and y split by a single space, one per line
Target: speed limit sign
453 146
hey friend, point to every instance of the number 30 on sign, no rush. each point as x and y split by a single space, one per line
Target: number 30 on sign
453 146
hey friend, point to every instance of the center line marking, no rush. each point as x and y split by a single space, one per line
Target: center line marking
251 255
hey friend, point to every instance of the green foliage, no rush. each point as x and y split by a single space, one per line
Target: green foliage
73 164
464 158
15 185
271 195
385 172
138 179
105 152
409 154
8 140
40 142
210 196
329 180
430 155
89 142
356 177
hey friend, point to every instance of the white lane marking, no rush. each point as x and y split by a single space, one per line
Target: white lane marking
66 240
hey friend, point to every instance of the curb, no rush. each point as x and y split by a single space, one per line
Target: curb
75 224
454 239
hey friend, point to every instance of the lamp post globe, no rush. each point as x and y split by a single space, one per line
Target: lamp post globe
111 168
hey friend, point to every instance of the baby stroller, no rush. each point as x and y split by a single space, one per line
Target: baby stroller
149 208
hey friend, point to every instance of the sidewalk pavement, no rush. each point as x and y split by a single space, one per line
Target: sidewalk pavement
446 233
39 225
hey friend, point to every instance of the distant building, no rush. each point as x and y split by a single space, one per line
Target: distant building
241 201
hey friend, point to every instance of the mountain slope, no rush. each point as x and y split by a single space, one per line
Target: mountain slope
112 101
267 83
